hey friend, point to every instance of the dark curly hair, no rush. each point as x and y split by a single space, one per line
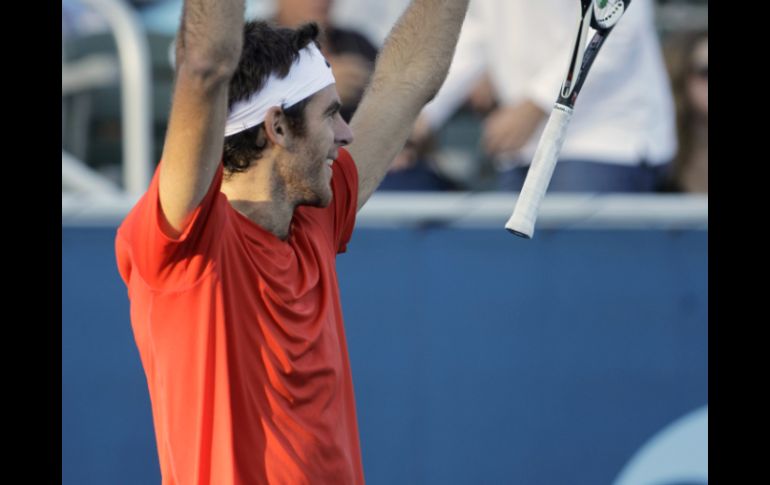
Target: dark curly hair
267 50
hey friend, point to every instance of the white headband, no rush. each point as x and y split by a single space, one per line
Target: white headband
308 75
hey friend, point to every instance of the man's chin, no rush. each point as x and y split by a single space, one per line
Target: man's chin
326 200
320 200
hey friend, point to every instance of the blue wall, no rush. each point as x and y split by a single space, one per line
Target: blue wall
478 357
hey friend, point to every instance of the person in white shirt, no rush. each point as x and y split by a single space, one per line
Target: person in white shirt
622 136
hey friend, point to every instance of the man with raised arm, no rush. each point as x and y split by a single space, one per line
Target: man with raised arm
229 258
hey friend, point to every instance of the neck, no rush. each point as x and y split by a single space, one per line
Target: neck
257 195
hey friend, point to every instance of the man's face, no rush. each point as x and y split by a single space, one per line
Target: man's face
302 11
307 174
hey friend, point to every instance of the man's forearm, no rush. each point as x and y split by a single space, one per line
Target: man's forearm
210 36
209 47
418 52
410 70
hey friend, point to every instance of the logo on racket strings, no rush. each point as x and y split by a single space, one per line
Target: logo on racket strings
607 12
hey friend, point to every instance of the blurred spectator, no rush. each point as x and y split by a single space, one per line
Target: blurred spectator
622 136
351 55
688 61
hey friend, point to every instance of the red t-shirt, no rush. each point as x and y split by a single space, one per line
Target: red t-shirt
242 340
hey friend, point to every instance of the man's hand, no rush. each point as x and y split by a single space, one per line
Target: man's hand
352 73
483 98
406 158
419 143
509 128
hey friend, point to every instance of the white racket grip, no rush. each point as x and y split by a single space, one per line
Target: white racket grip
522 222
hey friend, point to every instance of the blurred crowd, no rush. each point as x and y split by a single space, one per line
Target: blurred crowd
640 122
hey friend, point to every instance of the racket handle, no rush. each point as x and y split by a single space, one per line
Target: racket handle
522 222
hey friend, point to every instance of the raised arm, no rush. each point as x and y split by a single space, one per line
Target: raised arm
209 45
409 72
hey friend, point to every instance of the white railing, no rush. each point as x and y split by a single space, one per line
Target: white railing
490 209
136 92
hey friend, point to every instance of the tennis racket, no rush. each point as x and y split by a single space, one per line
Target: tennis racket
602 15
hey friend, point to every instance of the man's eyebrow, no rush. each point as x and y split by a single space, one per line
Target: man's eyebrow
333 108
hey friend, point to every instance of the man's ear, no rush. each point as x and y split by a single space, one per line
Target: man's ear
275 126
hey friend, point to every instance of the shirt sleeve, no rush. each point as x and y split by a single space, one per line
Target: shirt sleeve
345 199
162 261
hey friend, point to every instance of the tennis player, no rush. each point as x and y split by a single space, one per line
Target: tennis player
229 257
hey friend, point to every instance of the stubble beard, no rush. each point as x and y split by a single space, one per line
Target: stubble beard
304 178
